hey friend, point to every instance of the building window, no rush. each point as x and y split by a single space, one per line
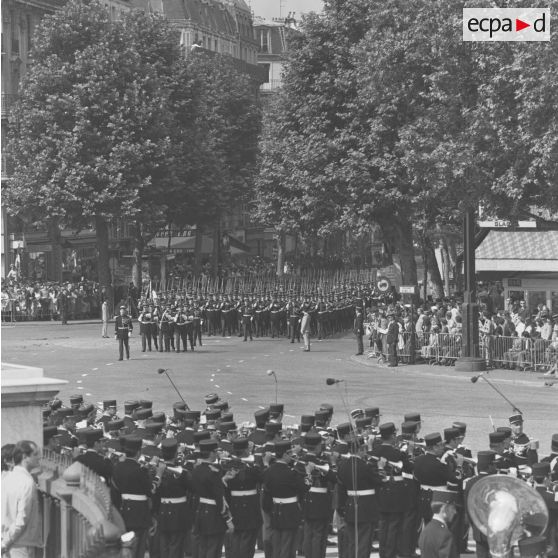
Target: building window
15 40
264 43
267 68
29 32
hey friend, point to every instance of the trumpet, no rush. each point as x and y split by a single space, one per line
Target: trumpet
323 469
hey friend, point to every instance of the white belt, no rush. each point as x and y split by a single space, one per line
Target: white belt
437 488
208 501
407 476
369 492
244 492
397 478
318 489
136 497
180 500
292 500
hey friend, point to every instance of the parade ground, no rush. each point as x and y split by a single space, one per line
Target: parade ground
238 372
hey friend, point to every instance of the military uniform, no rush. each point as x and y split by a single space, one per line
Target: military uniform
123 327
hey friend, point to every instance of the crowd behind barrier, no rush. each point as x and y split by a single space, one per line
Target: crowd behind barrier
33 301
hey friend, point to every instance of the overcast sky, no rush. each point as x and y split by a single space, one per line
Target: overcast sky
276 8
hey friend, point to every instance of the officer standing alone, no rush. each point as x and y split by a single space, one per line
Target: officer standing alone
122 330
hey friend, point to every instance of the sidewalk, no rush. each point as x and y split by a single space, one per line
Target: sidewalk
90 321
428 370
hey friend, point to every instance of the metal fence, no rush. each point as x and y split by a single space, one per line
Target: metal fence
519 353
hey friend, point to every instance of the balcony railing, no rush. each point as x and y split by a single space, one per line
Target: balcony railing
8 101
271 85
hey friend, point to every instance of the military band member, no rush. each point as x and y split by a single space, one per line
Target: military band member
212 517
174 517
358 479
93 457
243 497
123 328
284 490
132 492
437 481
524 449
317 508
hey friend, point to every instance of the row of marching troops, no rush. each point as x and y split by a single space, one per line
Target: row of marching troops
193 482
171 322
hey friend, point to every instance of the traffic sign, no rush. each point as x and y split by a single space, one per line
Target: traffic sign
383 284
407 289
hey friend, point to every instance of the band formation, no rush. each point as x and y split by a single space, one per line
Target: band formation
191 482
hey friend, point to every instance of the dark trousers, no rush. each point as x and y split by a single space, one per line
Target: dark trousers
365 537
315 538
294 329
247 326
145 340
360 344
389 529
171 544
283 543
227 323
392 354
408 539
274 327
180 335
123 343
140 544
241 544
207 546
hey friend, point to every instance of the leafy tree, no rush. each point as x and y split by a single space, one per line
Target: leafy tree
91 140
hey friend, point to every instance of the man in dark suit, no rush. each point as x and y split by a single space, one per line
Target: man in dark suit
122 330
436 540
392 337
359 330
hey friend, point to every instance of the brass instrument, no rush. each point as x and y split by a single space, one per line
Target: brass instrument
506 509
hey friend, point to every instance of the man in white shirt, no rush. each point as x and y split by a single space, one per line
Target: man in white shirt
21 519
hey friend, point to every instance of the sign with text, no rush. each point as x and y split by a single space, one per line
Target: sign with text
506 24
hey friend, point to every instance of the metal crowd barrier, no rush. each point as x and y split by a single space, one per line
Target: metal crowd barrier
20 310
518 353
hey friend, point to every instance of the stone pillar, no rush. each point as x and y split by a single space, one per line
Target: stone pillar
24 391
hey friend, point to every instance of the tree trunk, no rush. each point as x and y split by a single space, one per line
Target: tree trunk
55 272
103 267
406 252
198 251
137 253
433 270
446 265
280 253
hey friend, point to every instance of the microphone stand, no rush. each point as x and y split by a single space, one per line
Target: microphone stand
164 371
497 390
272 373
354 469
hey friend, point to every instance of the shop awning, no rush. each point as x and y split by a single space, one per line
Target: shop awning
518 251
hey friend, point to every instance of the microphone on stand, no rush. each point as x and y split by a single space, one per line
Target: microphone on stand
332 381
165 371
476 378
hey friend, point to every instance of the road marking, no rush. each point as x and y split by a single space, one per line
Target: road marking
109 363
79 381
88 394
240 361
83 375
94 369
229 392
217 386
244 399
80 387
227 365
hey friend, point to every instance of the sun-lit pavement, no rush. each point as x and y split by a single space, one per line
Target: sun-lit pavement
237 371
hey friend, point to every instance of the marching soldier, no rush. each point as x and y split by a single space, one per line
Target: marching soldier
146 320
247 319
123 328
226 313
165 333
197 324
359 330
180 330
524 449
321 309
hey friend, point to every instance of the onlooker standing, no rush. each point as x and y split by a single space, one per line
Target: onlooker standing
436 540
105 318
21 519
305 328
358 327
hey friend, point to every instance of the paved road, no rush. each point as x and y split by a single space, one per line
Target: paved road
237 371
